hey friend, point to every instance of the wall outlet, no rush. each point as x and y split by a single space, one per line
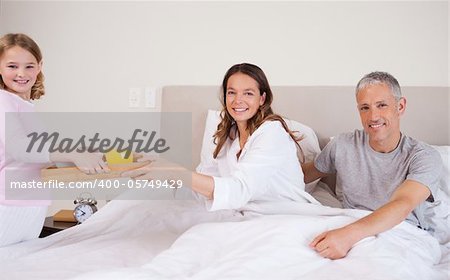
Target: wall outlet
150 97
134 97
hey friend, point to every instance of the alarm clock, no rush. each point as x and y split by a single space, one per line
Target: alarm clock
85 208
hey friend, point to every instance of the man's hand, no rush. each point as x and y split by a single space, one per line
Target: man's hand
334 244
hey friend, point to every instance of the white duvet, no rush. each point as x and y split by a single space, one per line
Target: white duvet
179 240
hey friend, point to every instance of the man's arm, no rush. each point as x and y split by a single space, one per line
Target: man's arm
311 173
335 244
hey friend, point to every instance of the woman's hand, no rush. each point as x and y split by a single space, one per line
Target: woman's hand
164 170
156 169
89 163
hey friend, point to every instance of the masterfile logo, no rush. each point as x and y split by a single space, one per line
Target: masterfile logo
140 141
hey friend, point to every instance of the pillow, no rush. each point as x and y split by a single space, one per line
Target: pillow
208 146
436 213
444 182
309 143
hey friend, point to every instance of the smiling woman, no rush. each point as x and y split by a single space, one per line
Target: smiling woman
254 146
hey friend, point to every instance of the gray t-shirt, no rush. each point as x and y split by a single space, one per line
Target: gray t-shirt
366 179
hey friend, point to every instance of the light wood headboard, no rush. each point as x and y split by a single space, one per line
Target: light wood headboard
327 110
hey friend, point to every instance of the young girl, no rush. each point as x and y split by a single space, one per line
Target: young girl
256 153
21 80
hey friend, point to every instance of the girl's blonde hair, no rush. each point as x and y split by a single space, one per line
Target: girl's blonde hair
21 40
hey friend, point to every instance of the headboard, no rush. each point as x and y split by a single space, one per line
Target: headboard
328 110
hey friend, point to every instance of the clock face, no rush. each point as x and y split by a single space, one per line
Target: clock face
83 211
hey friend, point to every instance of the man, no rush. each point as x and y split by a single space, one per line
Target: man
378 168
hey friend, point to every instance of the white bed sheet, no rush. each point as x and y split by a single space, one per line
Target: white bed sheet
179 239
122 234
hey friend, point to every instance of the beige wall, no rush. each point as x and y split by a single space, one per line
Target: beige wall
95 51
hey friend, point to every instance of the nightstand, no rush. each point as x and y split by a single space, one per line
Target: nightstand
50 227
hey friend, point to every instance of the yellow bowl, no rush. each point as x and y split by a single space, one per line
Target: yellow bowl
114 157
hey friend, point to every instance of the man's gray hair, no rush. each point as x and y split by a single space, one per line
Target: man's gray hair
380 78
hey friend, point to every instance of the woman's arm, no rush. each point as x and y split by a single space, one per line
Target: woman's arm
203 184
268 153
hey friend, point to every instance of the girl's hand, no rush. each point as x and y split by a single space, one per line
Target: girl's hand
89 163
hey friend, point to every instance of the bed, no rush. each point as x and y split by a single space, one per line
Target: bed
179 239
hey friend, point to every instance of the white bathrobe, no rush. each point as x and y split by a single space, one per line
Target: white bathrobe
267 170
